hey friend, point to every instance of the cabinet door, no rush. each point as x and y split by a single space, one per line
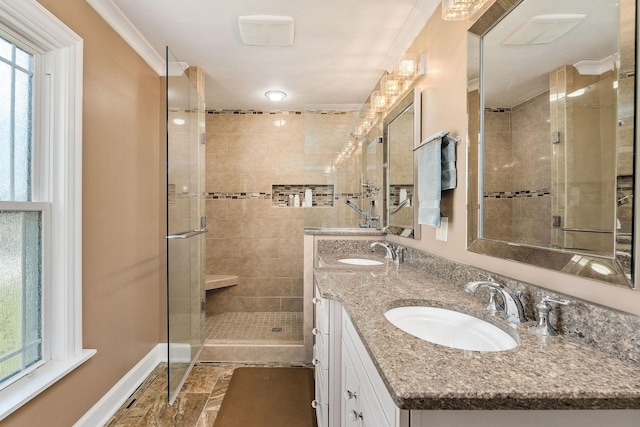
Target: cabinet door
360 405
351 415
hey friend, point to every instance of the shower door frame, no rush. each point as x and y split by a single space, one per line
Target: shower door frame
186 224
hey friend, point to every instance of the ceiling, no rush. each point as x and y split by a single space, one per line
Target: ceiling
514 74
340 51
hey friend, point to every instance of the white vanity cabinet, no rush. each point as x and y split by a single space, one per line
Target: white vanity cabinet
349 391
326 359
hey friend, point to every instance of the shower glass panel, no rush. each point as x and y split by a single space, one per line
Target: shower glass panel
185 224
584 164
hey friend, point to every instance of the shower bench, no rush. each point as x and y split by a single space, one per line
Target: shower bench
217 281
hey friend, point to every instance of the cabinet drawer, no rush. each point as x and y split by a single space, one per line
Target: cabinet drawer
321 351
322 312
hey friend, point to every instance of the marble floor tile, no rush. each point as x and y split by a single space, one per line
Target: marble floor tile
196 405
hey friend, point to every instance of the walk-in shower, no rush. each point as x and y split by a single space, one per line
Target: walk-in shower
256 163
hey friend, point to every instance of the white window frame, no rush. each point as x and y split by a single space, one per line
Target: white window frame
59 129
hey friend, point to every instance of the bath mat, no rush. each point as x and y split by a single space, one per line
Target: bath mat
268 397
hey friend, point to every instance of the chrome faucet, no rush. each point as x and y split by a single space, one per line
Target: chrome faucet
402 204
391 253
513 309
369 218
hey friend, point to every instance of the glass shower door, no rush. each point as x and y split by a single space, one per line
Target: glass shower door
185 224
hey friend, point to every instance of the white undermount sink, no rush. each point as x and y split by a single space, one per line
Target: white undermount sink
360 261
450 328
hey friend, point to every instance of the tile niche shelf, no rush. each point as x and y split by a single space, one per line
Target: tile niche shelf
323 195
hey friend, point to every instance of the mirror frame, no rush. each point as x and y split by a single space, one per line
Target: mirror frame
549 258
414 96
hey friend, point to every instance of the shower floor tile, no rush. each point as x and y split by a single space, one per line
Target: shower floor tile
262 327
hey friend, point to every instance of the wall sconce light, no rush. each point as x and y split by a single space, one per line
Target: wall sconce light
275 95
408 66
378 101
389 85
458 10
392 86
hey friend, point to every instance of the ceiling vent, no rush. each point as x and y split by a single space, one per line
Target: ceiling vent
543 29
266 30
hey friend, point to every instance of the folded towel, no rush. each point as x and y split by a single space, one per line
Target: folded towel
449 162
429 182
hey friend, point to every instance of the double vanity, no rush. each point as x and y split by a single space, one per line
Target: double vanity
397 345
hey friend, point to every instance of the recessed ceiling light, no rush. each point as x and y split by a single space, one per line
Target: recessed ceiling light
275 95
179 121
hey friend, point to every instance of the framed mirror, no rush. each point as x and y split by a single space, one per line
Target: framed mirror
400 134
551 104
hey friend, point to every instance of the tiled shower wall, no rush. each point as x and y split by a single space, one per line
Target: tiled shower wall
517 177
247 154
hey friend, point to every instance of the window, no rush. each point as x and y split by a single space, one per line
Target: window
20 229
40 202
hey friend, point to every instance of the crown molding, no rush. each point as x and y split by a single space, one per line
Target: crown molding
112 14
417 19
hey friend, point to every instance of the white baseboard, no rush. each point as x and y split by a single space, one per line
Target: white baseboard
102 411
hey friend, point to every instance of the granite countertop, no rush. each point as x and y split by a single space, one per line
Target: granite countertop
328 231
540 373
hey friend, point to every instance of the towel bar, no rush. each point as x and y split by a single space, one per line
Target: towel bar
440 134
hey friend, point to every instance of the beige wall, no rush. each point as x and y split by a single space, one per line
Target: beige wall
122 238
444 107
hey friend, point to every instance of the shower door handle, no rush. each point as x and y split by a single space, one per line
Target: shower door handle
186 234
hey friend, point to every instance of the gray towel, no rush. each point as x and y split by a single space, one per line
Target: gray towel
448 163
436 172
429 182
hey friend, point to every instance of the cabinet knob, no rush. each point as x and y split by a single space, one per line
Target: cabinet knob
314 404
316 300
349 395
315 331
355 416
315 362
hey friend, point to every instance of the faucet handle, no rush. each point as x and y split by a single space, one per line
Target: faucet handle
493 305
543 327
486 277
547 299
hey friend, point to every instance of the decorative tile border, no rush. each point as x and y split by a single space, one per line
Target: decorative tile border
355 196
516 194
238 196
497 110
322 194
285 112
